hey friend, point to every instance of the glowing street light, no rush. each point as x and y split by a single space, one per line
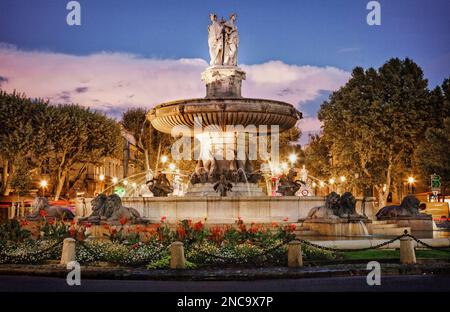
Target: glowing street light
114 180
321 184
172 167
314 184
134 185
101 177
331 181
343 179
164 159
125 182
292 158
411 180
43 184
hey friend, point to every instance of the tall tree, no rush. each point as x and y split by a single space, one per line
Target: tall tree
77 135
373 122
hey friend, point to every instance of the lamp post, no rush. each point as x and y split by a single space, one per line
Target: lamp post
43 184
411 181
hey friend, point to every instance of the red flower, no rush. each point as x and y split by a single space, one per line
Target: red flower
106 226
51 221
113 232
274 224
72 232
43 213
198 226
138 228
291 227
163 219
181 232
88 225
286 219
123 220
23 222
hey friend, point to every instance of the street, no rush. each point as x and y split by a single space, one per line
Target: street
420 283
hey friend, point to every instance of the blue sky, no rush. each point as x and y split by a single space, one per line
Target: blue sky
317 33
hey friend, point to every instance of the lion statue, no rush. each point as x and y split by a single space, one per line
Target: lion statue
110 209
347 206
408 208
42 204
328 210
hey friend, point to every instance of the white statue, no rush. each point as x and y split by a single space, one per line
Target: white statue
215 40
304 174
232 41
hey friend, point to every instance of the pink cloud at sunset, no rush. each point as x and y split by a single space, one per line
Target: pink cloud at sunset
112 82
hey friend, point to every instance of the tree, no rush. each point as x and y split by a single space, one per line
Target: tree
17 132
317 158
432 155
373 122
151 141
77 135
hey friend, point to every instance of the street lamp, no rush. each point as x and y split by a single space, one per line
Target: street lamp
411 181
172 167
164 159
114 180
331 181
43 184
343 179
125 182
101 177
292 158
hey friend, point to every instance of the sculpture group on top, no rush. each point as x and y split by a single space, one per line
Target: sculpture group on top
223 41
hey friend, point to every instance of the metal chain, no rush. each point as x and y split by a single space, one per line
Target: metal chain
446 249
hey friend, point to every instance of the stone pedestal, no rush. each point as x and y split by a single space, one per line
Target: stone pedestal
338 226
68 251
177 259
223 81
407 253
295 258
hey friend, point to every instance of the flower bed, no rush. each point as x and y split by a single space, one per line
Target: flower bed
148 245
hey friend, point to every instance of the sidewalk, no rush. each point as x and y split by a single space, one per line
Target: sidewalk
125 273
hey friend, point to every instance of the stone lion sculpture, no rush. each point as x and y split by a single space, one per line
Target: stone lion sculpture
326 211
347 206
408 208
110 209
336 206
42 204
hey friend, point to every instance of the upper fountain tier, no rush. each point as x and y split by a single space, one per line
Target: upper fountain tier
223 104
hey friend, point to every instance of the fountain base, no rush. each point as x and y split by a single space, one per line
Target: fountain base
338 226
239 189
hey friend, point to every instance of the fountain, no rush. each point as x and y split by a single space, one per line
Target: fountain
224 185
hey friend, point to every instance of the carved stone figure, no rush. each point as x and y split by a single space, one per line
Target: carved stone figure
408 208
223 185
288 186
347 206
337 206
232 41
41 203
326 211
215 41
160 186
110 209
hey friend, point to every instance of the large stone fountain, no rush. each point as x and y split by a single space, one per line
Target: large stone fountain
222 188
222 116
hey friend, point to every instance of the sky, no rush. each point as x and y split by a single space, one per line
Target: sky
139 53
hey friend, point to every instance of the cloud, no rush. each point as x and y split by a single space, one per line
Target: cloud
113 82
348 50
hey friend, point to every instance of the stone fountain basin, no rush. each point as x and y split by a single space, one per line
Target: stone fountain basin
223 112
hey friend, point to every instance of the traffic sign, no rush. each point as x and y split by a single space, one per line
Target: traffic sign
436 184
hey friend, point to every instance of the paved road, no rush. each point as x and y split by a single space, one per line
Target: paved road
357 283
